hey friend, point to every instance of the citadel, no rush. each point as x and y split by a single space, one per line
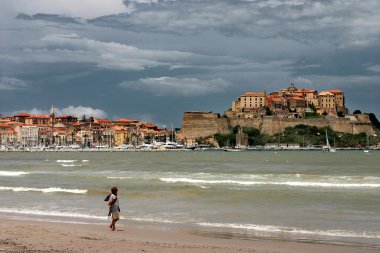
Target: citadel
272 113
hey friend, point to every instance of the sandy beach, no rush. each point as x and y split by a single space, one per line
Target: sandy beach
36 236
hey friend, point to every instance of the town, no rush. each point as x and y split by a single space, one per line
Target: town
270 113
25 131
289 103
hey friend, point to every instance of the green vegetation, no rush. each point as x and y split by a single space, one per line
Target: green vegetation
255 138
300 134
374 120
311 106
225 139
312 115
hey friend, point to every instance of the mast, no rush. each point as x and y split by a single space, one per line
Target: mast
327 140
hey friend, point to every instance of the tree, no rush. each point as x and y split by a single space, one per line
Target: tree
357 112
374 120
253 135
268 111
311 106
235 129
225 139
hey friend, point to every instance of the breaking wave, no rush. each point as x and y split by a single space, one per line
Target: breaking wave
66 161
294 230
276 183
50 213
13 173
44 190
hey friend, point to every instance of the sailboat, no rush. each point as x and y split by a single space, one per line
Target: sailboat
366 150
328 147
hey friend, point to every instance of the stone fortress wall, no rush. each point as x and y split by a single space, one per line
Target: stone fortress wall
203 124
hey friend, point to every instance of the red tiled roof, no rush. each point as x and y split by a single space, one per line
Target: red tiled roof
125 120
38 117
22 115
336 91
262 93
148 124
325 93
305 91
296 98
103 120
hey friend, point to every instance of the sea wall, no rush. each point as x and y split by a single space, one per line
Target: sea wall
203 124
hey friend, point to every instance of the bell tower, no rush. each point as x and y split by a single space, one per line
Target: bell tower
52 116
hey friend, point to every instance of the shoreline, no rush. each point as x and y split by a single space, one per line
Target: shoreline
42 236
179 150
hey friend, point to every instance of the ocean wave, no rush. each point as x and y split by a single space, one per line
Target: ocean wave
121 178
66 161
294 230
71 165
270 229
50 213
13 173
277 183
85 161
44 190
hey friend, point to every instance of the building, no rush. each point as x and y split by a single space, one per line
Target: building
66 119
37 120
249 105
332 102
311 96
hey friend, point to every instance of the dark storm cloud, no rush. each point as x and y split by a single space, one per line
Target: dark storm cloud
196 55
49 18
343 23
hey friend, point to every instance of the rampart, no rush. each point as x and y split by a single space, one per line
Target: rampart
203 124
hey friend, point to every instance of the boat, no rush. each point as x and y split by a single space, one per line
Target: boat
236 149
366 150
328 147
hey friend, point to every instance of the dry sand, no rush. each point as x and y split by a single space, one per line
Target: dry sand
38 237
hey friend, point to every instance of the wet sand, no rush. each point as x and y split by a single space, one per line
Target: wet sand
38 237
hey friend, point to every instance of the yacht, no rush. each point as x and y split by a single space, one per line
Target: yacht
328 147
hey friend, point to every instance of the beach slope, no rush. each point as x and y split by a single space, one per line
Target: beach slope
38 237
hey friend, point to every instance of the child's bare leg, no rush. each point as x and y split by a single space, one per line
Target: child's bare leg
113 227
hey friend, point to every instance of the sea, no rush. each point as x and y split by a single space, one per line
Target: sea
306 196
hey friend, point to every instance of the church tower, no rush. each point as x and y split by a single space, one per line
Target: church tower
52 116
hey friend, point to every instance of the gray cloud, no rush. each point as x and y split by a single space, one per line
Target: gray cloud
9 83
346 24
175 51
374 68
174 86
49 18
107 55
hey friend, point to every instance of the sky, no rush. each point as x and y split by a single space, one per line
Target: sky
152 60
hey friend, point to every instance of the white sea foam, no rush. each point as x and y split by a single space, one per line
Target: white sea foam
44 190
280 183
50 213
66 161
71 165
13 173
119 178
85 161
296 231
